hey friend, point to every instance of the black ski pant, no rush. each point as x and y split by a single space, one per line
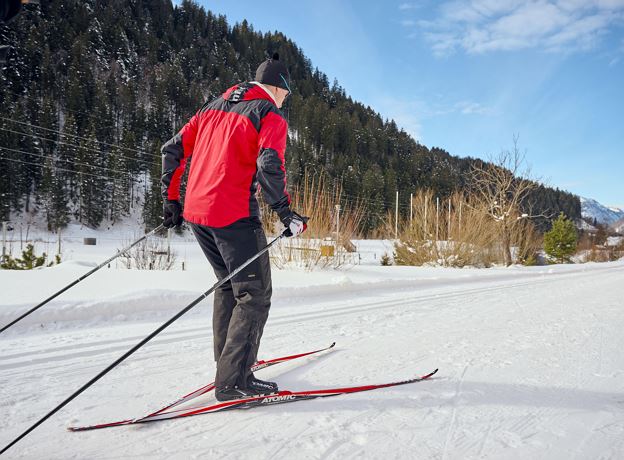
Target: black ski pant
241 306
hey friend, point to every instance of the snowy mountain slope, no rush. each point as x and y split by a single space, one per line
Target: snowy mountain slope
618 226
591 209
530 366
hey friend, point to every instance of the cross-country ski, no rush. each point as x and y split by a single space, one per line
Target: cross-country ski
205 389
280 397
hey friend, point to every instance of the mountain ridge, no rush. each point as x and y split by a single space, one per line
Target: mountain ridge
593 210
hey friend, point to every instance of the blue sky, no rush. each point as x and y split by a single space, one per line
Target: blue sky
468 75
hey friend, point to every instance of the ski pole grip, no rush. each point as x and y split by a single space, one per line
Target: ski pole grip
286 233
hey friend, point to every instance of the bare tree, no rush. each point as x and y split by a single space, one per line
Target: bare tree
503 184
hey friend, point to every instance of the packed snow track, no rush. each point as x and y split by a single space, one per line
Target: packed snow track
531 366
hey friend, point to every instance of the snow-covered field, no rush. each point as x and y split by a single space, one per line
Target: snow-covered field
531 362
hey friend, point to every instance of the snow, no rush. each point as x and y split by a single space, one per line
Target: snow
530 361
582 225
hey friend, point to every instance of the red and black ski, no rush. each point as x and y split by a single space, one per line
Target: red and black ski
207 388
264 400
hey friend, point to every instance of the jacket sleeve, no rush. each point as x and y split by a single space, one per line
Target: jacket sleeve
271 174
175 153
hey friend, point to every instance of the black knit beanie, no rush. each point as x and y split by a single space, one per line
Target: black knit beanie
273 72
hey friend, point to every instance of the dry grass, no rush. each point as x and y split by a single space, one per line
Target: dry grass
603 254
459 235
527 241
317 199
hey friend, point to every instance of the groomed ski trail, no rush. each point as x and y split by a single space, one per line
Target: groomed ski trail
545 380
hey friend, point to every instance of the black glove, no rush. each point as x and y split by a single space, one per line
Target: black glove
295 224
172 214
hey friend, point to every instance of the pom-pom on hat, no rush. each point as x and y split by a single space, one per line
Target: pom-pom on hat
273 72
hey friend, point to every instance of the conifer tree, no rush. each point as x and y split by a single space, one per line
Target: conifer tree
560 241
152 210
93 177
119 184
68 154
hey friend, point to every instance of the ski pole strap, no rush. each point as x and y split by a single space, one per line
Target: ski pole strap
89 273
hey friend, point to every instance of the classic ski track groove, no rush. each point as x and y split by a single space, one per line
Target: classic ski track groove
281 319
404 285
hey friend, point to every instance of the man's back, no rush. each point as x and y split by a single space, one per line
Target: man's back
225 138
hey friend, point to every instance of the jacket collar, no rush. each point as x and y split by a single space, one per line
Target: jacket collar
248 91
267 90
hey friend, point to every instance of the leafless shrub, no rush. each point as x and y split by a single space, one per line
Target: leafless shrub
151 254
501 185
527 242
603 254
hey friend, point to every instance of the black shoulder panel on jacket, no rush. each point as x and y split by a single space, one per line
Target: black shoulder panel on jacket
255 109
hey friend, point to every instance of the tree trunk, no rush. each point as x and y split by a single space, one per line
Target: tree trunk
506 246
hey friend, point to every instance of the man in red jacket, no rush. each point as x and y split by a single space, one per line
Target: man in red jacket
237 143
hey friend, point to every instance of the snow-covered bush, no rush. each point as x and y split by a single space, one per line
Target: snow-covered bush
28 261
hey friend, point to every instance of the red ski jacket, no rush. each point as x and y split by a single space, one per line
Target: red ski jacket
237 143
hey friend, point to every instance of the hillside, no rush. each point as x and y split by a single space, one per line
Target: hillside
618 226
94 88
594 211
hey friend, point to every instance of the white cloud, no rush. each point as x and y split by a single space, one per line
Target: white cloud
480 26
476 10
461 107
405 113
616 57
473 108
407 6
409 114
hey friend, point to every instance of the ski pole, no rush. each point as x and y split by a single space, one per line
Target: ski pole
72 284
146 339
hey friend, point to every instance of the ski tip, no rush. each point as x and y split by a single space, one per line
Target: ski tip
430 374
332 345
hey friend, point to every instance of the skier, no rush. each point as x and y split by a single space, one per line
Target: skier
237 142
